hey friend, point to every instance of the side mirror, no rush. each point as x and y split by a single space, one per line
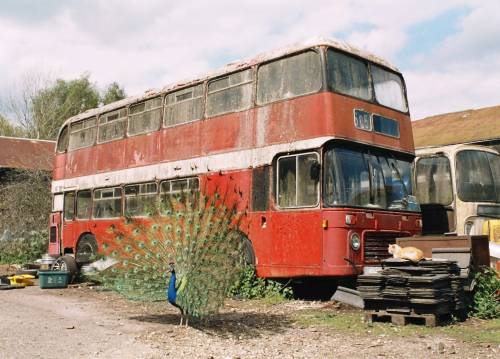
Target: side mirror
315 170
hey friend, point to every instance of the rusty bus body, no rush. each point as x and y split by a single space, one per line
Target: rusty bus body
323 168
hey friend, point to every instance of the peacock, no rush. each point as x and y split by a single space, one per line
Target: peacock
172 290
194 243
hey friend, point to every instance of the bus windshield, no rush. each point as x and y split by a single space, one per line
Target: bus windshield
478 176
367 178
434 185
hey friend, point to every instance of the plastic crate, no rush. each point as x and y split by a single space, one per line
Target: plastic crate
53 279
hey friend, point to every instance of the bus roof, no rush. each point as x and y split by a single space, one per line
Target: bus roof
235 66
450 149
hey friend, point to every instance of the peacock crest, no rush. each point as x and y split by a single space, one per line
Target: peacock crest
198 234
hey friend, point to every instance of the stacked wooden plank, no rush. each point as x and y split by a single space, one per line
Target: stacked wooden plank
426 287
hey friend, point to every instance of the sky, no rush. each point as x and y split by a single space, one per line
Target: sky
448 51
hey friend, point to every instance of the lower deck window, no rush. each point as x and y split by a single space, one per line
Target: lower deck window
107 202
83 204
297 186
140 199
176 187
69 206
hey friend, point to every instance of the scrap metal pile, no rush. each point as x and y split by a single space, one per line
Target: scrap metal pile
434 286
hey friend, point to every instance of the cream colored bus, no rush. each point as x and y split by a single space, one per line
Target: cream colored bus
458 188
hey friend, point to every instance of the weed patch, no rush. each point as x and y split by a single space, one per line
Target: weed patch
472 330
248 286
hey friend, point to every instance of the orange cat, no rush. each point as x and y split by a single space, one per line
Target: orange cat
411 253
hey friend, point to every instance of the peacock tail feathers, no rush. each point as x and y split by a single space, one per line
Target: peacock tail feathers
201 234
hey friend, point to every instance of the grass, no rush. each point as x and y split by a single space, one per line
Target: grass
472 330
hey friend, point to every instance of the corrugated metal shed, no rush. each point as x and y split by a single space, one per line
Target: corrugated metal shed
470 126
24 153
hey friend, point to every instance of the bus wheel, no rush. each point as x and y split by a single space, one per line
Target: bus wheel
86 249
66 263
248 251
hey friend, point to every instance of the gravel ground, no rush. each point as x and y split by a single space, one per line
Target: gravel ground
86 323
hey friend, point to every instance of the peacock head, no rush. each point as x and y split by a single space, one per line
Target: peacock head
172 267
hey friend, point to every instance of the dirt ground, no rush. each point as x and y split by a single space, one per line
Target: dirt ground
83 322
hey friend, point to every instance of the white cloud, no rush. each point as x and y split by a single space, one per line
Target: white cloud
462 73
145 44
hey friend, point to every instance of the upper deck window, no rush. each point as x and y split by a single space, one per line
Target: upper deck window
348 75
433 176
389 90
62 143
231 93
289 77
112 125
145 116
386 126
183 106
82 133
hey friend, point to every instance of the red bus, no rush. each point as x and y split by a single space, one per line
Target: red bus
316 136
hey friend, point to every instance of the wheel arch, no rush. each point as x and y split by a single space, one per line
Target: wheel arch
92 242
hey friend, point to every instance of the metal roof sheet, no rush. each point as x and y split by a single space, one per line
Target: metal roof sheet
458 127
25 153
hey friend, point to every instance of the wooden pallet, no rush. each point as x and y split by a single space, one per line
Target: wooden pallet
403 317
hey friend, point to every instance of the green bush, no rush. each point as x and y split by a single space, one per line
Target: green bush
248 286
23 248
486 300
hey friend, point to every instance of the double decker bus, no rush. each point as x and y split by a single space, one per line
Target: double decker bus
316 136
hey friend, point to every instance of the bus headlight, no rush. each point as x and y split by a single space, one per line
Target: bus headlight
355 241
469 227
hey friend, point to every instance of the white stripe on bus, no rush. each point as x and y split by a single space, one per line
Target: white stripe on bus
194 166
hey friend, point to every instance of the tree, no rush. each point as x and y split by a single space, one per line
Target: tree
113 93
41 105
24 207
24 200
8 129
53 105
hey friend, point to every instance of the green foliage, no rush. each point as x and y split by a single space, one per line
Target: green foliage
249 286
198 233
486 294
113 93
25 201
53 105
42 105
23 248
8 129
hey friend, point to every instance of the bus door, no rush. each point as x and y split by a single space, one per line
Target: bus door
296 223
55 224
55 234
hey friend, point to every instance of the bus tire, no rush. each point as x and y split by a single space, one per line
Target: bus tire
248 251
247 248
86 249
66 263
